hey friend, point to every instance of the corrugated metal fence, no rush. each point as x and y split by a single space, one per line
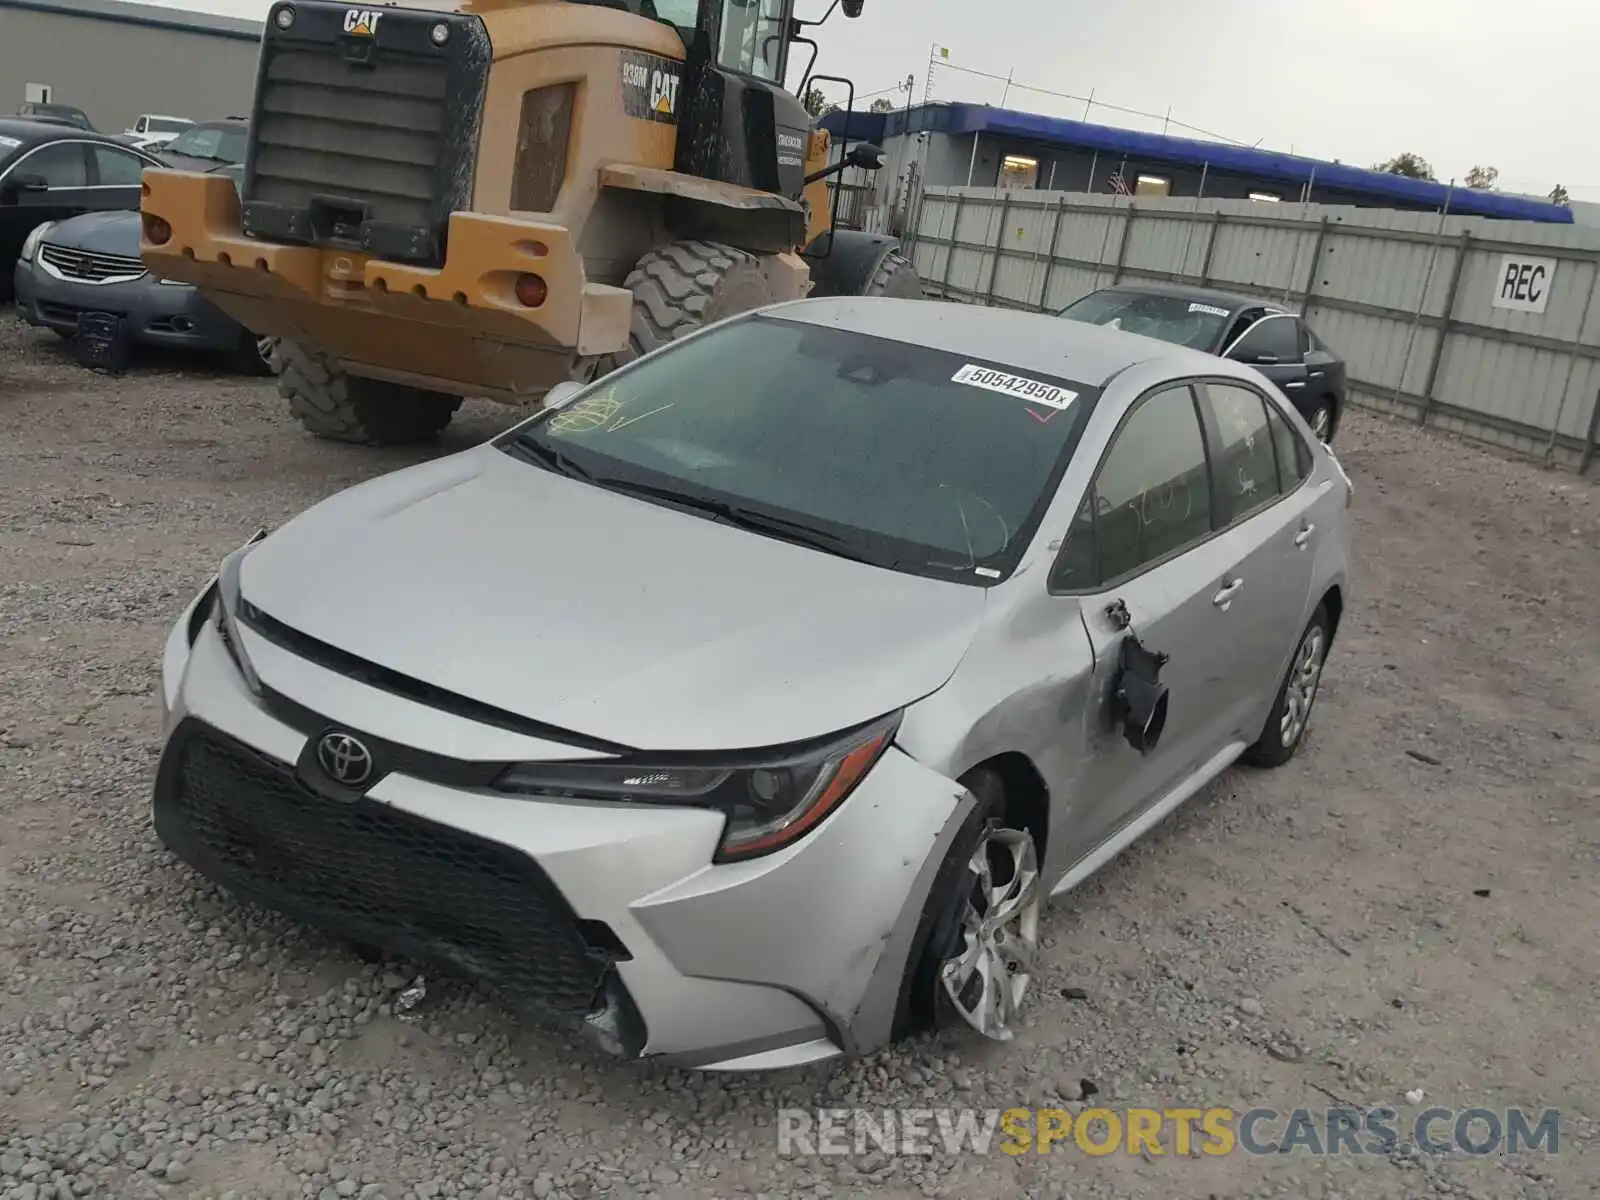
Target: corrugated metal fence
1486 328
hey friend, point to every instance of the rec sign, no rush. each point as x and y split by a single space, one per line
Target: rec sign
1524 283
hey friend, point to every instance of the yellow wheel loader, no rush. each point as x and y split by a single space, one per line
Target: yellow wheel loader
489 197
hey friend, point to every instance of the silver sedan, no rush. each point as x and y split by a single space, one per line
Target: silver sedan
744 707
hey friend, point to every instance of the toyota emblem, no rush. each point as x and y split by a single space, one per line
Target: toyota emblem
345 759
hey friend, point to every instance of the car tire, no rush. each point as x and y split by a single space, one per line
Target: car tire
351 408
943 935
684 286
1324 420
895 278
254 355
1286 726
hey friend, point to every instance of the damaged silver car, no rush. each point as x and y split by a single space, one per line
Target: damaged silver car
744 707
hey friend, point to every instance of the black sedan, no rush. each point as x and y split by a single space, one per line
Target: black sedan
90 264
52 172
1272 339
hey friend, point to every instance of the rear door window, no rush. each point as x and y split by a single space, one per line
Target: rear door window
1243 458
118 168
1294 456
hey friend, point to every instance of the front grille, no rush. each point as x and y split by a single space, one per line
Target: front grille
327 128
370 873
89 266
365 142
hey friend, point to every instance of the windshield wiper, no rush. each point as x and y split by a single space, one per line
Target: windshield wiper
797 532
530 450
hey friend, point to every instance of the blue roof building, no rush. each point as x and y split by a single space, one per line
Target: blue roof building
997 147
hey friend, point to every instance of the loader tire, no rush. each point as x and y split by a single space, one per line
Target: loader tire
682 286
341 407
895 278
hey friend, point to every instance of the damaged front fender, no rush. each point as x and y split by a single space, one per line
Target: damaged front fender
832 919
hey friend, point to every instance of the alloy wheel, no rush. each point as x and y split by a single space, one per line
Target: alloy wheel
1300 693
1322 422
987 978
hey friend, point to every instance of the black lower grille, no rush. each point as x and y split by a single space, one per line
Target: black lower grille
375 875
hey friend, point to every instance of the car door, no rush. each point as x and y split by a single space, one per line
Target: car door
1272 346
1142 560
1266 528
117 176
47 183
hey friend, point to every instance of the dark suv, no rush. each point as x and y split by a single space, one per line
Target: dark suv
1272 339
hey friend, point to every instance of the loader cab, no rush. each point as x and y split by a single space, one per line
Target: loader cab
737 122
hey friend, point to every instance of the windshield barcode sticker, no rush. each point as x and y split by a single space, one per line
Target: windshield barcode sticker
1031 390
1211 310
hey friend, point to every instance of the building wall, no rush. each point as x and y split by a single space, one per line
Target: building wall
947 160
115 70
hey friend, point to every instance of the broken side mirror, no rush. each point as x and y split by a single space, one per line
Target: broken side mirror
1140 698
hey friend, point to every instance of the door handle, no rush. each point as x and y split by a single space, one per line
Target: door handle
1295 384
1304 536
1229 590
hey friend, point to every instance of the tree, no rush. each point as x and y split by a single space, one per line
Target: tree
882 104
1558 195
1412 166
817 104
1482 179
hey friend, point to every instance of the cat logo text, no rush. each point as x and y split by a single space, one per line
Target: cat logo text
362 22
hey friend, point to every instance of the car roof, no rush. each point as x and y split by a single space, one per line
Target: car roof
1230 300
26 131
1086 354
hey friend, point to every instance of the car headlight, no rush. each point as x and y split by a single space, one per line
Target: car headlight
225 610
769 801
30 244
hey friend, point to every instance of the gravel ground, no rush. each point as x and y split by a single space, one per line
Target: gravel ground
1410 906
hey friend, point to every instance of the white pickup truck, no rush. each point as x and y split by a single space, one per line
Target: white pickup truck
152 129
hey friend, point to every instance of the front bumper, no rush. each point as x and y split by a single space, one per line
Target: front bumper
608 918
459 327
153 314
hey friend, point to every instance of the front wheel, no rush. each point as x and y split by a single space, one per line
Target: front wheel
979 937
1323 419
253 355
682 286
341 407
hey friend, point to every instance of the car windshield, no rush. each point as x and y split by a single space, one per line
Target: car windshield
167 125
893 454
222 143
1183 320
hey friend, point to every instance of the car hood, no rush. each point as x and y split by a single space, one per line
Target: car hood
102 232
606 615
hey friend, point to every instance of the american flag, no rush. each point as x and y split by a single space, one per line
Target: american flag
1119 185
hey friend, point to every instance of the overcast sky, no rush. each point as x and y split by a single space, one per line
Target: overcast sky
1461 82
